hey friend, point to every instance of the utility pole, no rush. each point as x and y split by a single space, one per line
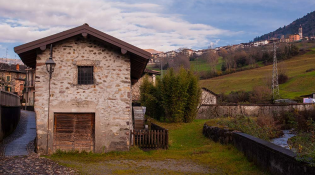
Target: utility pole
161 67
275 84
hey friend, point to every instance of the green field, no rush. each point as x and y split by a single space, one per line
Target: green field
197 65
200 65
188 148
300 82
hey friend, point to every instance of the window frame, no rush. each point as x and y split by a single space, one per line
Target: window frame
7 78
86 78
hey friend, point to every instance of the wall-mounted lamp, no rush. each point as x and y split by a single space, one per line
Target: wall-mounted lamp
50 64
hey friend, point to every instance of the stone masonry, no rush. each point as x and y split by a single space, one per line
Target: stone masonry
109 97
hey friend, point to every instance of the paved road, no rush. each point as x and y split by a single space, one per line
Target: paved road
17 154
18 145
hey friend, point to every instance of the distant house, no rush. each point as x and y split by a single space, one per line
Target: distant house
136 87
188 52
294 37
89 106
29 93
198 52
208 97
171 54
12 78
309 98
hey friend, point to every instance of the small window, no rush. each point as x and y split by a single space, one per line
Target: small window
21 87
8 88
8 78
85 75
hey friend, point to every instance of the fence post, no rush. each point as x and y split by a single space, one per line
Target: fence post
166 139
133 138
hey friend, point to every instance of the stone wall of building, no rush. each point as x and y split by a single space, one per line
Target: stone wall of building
109 97
136 87
15 82
213 111
207 98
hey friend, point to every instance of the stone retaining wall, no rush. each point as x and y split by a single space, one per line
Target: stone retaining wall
9 119
268 156
212 111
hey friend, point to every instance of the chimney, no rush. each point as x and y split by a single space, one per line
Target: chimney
17 67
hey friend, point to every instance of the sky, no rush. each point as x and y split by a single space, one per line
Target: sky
162 25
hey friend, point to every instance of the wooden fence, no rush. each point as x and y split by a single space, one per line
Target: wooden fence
155 138
9 99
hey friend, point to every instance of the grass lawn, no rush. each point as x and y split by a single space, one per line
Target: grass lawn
189 153
300 82
200 65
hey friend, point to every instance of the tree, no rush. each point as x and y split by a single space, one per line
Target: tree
175 98
180 60
212 58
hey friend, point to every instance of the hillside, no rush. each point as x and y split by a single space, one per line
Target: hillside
307 22
300 82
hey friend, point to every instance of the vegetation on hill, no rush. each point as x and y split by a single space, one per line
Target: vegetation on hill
300 71
307 22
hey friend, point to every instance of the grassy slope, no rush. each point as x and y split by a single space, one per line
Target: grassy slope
300 82
197 65
186 143
200 65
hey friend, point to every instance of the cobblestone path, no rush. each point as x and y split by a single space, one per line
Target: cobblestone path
18 145
17 154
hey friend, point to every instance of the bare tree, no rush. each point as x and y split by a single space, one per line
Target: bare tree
178 61
212 58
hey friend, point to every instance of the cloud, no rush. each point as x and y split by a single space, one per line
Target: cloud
145 25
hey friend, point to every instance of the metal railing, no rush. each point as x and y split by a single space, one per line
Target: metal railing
9 99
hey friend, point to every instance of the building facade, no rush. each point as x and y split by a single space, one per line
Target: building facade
208 97
136 87
12 78
90 100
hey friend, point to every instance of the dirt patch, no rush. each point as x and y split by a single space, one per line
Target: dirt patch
168 166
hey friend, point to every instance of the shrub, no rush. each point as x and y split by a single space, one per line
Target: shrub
260 94
283 78
174 98
149 97
250 126
310 70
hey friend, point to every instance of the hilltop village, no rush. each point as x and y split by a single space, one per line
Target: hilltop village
155 55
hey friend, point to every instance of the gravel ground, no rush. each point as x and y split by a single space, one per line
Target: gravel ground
142 167
30 163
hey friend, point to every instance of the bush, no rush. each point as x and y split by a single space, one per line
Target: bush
283 78
251 126
260 94
174 98
149 97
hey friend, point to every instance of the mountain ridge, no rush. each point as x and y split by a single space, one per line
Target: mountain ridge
307 22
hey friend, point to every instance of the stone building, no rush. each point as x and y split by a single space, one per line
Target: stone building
29 93
90 101
208 97
12 78
136 87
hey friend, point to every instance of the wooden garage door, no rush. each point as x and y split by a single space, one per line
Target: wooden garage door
74 132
